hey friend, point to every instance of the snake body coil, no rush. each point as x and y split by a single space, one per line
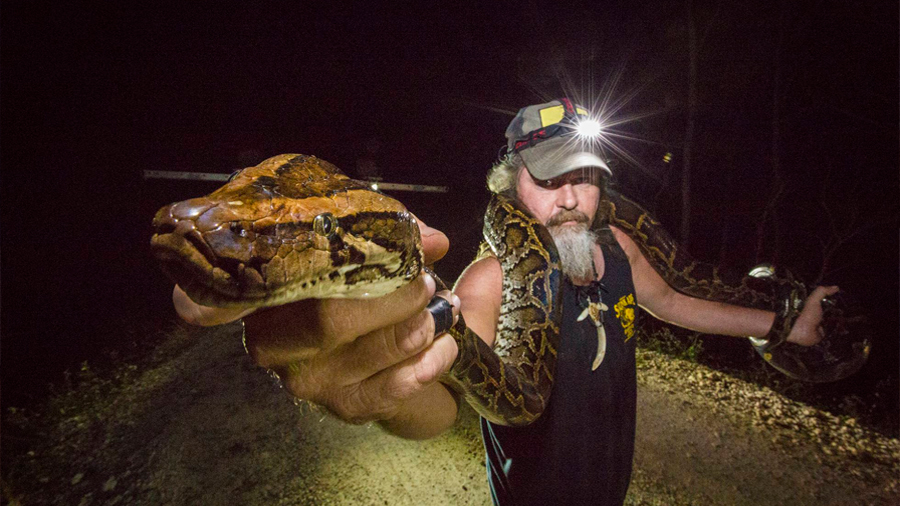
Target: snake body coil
513 389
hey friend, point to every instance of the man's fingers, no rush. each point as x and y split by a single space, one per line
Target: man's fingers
807 329
303 329
380 396
825 291
814 299
385 347
367 378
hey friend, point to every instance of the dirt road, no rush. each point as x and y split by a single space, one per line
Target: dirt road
207 427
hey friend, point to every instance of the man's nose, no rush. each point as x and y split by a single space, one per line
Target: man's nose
565 197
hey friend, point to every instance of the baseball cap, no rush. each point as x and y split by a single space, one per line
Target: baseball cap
544 136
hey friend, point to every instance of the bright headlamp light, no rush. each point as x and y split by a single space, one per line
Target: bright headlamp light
588 128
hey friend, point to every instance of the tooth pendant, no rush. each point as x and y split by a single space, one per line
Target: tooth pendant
601 347
594 311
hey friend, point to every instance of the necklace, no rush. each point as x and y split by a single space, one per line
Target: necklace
590 297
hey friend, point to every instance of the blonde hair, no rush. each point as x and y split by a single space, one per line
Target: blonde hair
503 179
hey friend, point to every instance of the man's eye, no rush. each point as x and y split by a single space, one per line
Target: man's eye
590 178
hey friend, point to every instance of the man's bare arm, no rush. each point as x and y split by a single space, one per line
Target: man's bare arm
663 302
480 288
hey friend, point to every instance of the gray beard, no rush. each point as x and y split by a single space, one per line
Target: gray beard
575 245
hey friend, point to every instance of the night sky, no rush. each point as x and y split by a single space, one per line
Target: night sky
93 95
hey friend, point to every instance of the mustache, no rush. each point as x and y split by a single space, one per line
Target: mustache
567 215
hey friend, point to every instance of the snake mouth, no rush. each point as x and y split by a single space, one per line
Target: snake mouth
180 258
191 239
191 263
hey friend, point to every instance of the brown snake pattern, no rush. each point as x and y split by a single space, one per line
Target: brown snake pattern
294 227
513 389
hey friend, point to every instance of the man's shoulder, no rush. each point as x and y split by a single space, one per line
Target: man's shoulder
480 290
484 270
626 243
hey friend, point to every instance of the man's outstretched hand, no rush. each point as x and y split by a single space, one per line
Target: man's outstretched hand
361 359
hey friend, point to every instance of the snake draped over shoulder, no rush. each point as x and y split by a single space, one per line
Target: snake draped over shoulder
295 227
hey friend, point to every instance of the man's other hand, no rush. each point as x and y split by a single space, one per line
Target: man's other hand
807 329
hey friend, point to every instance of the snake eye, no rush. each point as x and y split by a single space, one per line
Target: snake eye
325 225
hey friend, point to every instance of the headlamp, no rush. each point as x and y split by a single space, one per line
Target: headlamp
570 121
588 128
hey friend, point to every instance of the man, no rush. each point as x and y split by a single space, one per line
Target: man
367 360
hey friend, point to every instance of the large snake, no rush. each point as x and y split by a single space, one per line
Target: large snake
295 227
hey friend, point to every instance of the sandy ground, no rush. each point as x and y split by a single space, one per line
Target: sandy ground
207 427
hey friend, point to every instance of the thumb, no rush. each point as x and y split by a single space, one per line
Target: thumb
823 291
434 243
812 308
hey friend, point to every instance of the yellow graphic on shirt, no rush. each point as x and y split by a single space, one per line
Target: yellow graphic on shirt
625 314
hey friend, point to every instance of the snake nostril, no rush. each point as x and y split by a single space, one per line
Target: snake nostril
165 227
164 222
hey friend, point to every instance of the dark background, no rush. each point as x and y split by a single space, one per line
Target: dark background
805 93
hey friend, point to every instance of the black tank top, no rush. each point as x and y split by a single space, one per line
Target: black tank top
580 450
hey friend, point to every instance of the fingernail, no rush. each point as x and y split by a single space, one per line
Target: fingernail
456 303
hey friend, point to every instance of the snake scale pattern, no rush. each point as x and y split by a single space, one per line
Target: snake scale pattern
295 227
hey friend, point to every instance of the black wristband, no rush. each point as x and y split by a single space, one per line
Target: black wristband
442 312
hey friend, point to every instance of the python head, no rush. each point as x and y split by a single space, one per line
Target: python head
291 228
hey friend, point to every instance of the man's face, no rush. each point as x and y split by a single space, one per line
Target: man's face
563 201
